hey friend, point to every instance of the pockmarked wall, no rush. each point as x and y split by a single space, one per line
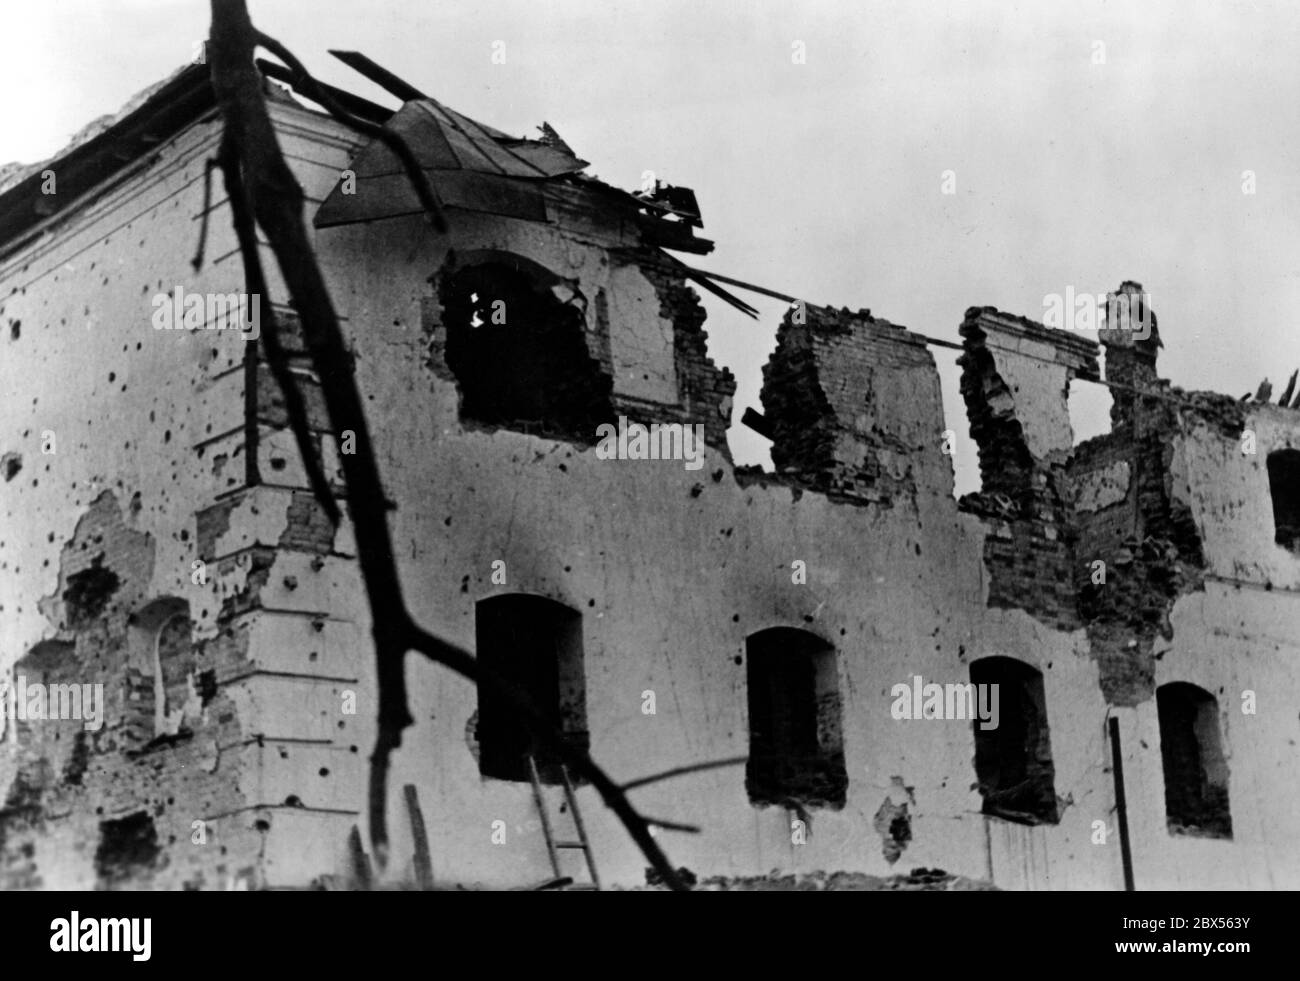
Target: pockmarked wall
168 549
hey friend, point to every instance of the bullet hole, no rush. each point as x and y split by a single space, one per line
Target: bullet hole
324 771
278 463
735 618
447 521
15 329
293 800
291 582
10 465
464 584
591 602
568 568
894 826
738 659
112 376
262 824
697 490
717 475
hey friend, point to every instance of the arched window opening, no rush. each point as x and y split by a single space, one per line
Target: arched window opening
1013 761
796 745
517 347
160 669
1196 771
534 644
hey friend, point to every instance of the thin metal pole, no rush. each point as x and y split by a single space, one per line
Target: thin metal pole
1121 804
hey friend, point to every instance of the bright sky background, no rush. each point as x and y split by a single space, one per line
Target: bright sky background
823 179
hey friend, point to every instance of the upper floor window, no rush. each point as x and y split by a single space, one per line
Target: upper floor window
516 343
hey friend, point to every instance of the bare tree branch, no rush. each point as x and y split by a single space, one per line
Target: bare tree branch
316 92
683 770
693 829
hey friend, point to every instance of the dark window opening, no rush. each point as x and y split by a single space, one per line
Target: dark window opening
1284 485
534 644
1196 772
796 745
1013 762
519 353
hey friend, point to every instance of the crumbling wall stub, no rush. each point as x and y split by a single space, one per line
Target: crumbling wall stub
704 391
1132 342
1137 554
1141 545
854 408
1015 380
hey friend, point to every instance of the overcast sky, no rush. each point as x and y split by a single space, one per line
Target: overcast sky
824 178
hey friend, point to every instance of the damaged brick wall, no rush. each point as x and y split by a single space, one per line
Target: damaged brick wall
1140 549
705 391
124 797
854 410
1015 380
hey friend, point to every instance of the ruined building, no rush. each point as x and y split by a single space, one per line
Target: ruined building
157 537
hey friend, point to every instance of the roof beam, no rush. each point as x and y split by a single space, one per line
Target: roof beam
382 77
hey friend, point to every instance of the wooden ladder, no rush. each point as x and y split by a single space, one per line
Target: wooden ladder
580 841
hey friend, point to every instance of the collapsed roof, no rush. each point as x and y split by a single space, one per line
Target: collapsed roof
470 165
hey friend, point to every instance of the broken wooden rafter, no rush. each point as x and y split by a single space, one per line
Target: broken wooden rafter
381 76
357 106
